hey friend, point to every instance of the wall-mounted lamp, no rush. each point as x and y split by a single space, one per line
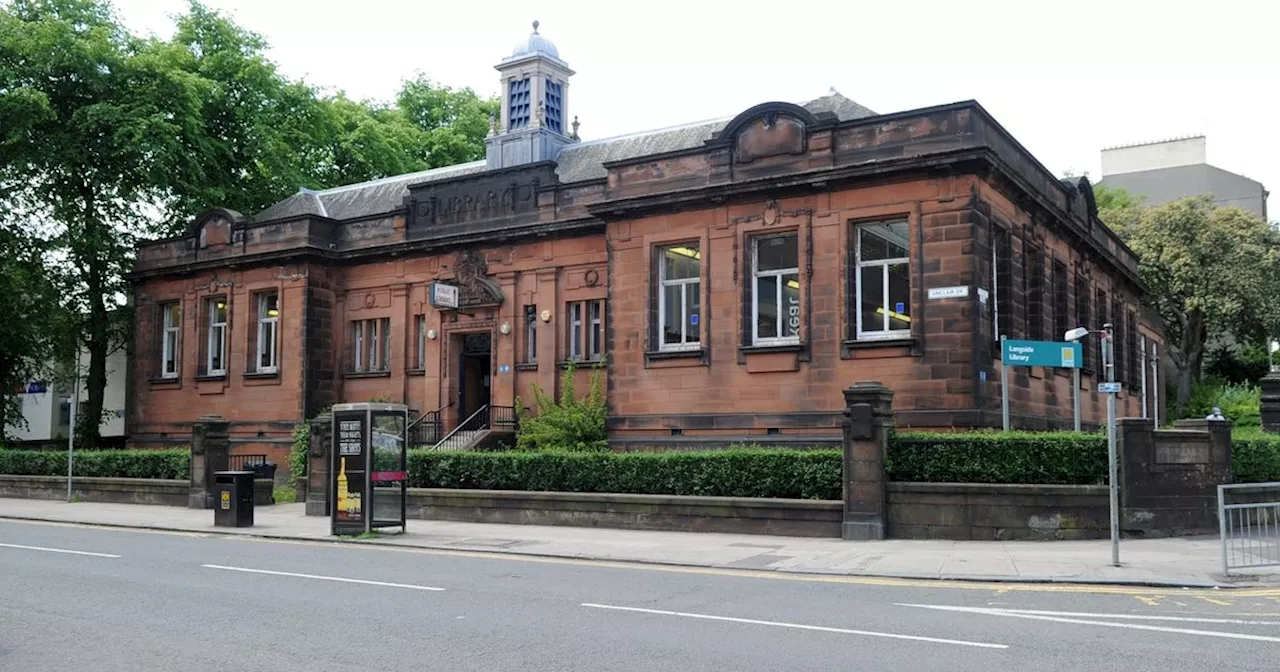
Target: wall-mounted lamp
505 328
431 334
546 316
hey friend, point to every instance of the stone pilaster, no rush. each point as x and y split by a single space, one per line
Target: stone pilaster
210 446
1271 402
318 465
868 421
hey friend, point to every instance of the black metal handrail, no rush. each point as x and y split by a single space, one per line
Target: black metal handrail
462 434
426 430
504 418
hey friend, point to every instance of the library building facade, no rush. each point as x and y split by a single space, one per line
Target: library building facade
728 279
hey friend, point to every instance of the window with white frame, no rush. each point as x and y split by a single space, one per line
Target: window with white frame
420 334
216 347
679 298
530 334
371 345
775 289
171 326
268 346
586 330
883 281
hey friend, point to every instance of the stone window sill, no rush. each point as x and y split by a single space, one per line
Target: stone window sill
211 376
580 363
166 380
261 375
767 349
868 343
527 366
367 374
415 372
684 357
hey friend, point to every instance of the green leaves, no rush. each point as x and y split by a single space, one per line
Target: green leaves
1004 457
572 424
173 463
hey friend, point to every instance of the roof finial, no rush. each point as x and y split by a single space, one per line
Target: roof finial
575 127
535 25
833 92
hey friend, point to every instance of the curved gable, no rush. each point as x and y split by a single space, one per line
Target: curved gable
768 129
213 227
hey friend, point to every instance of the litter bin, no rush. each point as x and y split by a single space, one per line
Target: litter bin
233 498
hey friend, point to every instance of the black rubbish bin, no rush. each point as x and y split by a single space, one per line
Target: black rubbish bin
233 498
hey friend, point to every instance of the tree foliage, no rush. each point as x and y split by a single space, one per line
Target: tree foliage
106 137
571 423
1208 271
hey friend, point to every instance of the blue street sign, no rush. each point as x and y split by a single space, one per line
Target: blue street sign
1055 354
1110 388
693 319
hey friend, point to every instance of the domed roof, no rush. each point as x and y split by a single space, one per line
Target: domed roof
535 44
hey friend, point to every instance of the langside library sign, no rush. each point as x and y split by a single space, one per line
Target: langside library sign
1056 354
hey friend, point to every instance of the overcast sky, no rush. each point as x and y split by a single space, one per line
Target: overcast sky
1066 78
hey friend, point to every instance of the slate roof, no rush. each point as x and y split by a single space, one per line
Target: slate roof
576 162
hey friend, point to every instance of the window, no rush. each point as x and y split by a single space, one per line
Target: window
420 334
171 326
586 330
595 334
1136 348
518 99
268 331
1061 301
775 289
1083 317
679 280
531 334
1033 269
371 345
554 104
1002 263
883 282
216 360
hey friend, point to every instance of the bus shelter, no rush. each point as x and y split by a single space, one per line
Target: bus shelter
370 470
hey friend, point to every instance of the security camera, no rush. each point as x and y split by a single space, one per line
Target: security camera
1076 334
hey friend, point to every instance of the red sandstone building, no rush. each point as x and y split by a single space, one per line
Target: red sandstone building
732 277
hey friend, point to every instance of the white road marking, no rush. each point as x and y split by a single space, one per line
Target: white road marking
323 578
1129 617
1064 617
798 626
59 550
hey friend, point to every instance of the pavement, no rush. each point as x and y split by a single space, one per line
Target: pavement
107 599
1193 562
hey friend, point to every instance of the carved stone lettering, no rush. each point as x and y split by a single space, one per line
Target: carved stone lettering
477 202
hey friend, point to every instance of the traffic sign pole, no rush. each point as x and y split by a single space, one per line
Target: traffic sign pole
1109 363
1075 395
1004 387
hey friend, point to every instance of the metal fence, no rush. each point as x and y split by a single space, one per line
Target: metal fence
244 462
1249 522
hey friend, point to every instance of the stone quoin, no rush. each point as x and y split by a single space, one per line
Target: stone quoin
731 278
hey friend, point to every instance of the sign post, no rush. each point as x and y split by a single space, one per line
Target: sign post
1053 354
1110 388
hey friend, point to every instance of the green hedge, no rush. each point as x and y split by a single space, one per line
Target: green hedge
170 463
1256 458
790 474
1003 457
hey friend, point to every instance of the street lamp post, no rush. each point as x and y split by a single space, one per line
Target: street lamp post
1108 365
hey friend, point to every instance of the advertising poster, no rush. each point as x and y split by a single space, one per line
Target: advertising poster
350 464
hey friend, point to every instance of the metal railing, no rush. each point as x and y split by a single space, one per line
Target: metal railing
244 462
426 430
504 418
465 431
1249 523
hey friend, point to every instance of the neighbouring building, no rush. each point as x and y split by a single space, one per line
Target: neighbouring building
46 405
730 277
1167 170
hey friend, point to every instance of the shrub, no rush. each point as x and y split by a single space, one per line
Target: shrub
1241 403
1255 458
170 463
571 424
790 474
999 457
298 452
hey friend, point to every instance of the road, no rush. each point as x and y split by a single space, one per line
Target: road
74 597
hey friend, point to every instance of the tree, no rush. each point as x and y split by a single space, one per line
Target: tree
455 122
1208 271
1118 209
95 127
28 301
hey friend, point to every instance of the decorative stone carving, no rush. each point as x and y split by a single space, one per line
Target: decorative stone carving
475 287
